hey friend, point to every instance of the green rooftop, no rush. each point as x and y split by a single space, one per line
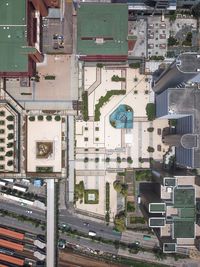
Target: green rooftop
157 207
184 223
157 222
13 52
102 29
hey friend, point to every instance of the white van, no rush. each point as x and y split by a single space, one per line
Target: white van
92 233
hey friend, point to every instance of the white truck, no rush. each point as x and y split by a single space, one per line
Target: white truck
92 233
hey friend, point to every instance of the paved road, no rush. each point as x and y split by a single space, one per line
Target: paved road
75 222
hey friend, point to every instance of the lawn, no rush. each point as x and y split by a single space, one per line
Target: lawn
91 196
134 220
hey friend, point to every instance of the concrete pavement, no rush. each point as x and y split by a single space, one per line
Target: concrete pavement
50 223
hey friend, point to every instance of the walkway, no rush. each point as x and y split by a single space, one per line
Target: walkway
97 82
50 223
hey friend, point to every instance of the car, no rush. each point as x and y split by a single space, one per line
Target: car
137 243
29 211
139 199
86 224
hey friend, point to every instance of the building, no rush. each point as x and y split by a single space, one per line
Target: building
171 207
21 35
182 70
186 3
149 5
102 33
182 104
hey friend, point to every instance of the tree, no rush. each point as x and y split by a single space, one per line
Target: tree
10 126
119 160
119 222
172 41
49 118
10 136
32 118
150 129
120 187
151 111
196 11
57 118
135 65
172 16
107 159
40 118
129 160
9 153
10 118
150 149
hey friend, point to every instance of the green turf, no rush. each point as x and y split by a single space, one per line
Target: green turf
13 52
102 20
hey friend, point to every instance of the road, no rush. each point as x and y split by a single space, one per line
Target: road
76 223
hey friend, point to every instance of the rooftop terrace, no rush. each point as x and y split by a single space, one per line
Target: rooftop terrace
102 29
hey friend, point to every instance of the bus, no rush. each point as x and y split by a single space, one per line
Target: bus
20 188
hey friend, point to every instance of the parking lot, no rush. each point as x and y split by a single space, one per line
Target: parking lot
54 26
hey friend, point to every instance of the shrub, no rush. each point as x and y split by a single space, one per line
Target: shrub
130 206
172 41
9 153
86 160
129 160
172 122
107 159
105 99
10 163
50 77
146 92
9 145
99 65
150 149
2 131
144 175
135 65
119 160
10 126
2 122
57 118
48 117
40 118
96 160
10 118
150 129
135 79
32 118
135 92
151 111
10 136
141 160
116 78
2 113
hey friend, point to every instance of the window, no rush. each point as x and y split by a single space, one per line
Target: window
96 149
86 149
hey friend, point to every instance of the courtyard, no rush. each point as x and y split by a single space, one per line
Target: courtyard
117 133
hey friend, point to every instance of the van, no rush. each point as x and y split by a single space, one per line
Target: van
92 233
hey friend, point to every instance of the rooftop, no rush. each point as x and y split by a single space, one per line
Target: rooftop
188 62
13 45
101 31
157 207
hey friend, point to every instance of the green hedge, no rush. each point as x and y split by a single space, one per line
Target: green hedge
50 77
91 191
85 105
105 99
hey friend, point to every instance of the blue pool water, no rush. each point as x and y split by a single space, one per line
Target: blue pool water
122 117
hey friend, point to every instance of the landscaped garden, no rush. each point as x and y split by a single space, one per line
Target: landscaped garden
91 196
105 99
143 175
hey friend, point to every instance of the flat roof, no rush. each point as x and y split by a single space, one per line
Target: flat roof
184 224
13 32
188 62
157 207
157 222
184 197
108 22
